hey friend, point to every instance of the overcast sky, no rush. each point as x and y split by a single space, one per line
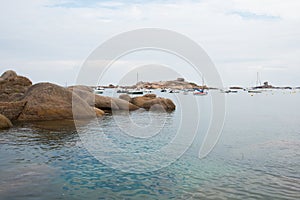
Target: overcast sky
48 40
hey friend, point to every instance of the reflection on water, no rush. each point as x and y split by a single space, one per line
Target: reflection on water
257 157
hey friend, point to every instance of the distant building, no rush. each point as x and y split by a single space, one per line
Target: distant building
266 84
180 79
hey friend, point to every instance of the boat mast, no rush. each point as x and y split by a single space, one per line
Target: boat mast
258 81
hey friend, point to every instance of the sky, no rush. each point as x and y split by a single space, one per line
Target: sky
49 40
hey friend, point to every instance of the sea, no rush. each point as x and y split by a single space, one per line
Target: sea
255 156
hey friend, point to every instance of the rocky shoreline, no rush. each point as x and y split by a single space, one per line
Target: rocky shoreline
21 101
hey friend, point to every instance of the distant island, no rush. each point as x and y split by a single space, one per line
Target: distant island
178 84
182 84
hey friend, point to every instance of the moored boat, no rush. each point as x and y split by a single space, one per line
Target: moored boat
135 92
200 92
99 90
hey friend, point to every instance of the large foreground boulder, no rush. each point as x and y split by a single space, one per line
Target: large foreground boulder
12 86
151 102
4 122
46 101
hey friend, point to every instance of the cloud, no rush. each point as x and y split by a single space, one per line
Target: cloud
254 16
288 9
268 68
87 4
236 34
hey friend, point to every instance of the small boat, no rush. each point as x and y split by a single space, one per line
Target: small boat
135 92
173 91
200 92
99 90
163 90
147 91
122 91
254 91
230 91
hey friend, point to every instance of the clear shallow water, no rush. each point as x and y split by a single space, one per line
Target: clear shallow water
257 157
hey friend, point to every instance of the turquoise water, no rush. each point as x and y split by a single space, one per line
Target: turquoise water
256 157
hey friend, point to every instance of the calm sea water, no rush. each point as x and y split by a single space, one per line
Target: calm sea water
256 157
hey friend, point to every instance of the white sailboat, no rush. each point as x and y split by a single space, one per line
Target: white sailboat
258 83
136 91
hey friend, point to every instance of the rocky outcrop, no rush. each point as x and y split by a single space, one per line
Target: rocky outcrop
86 95
124 105
159 103
8 75
46 101
12 86
125 97
104 102
139 101
152 102
178 84
4 122
81 87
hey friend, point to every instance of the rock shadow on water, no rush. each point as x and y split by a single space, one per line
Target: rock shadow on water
55 132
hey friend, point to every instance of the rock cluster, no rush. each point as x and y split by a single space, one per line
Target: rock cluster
102 102
22 101
150 102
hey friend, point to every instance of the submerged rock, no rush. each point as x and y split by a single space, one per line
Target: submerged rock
5 122
46 101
